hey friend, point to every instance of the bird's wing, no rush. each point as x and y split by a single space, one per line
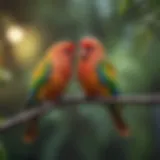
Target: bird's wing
107 76
39 78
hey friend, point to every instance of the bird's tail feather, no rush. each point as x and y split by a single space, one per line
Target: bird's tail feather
31 133
118 121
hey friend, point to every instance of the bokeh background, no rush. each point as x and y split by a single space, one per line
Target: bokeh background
129 29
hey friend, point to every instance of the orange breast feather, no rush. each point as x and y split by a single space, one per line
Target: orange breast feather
53 88
91 84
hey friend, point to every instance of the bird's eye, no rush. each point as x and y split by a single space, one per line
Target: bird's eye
67 51
89 49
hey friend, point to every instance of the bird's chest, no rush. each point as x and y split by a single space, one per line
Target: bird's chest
90 83
56 85
60 81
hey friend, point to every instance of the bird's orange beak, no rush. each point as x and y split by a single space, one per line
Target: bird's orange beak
86 50
83 53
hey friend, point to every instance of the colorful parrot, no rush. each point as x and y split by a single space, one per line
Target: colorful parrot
49 80
97 77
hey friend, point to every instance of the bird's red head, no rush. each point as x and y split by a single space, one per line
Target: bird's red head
63 51
66 48
90 48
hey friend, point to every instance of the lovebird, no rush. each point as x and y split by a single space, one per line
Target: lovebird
49 80
97 77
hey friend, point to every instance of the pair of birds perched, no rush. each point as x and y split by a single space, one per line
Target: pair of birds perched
96 76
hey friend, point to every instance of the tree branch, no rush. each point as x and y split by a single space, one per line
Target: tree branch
74 100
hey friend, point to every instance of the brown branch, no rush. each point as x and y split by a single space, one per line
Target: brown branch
72 101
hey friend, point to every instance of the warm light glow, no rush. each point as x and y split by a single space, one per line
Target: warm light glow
5 75
15 34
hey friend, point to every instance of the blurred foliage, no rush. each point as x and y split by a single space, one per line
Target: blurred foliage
129 29
3 155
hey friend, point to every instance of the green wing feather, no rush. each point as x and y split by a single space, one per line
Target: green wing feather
107 76
39 79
